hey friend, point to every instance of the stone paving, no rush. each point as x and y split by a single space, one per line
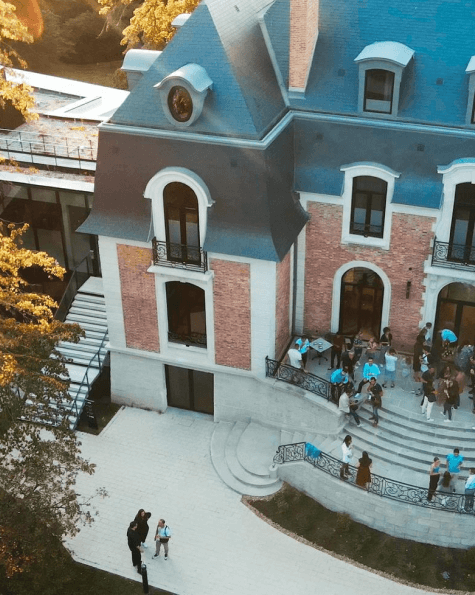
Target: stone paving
219 547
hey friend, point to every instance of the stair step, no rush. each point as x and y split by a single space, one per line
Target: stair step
85 304
257 447
90 297
235 466
87 312
218 458
83 346
88 322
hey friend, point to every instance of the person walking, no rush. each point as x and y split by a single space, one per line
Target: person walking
429 399
376 400
390 358
451 401
454 462
347 407
469 492
162 537
434 477
416 361
347 455
363 473
142 525
133 541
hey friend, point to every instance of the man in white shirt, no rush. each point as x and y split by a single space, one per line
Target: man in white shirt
469 492
295 357
346 406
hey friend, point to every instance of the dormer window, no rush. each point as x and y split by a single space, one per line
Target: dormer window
380 72
470 70
378 93
183 93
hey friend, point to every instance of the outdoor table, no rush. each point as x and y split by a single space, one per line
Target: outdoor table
320 345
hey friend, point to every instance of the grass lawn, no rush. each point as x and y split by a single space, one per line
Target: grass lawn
404 560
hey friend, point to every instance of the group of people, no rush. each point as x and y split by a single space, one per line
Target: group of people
363 466
137 534
446 483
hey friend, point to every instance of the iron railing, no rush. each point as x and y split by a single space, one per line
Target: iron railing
381 486
197 339
81 274
454 256
180 256
306 380
13 143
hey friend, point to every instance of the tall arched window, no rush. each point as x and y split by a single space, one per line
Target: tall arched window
181 223
368 206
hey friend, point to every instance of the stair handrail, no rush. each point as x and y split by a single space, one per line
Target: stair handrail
306 380
379 485
85 379
75 283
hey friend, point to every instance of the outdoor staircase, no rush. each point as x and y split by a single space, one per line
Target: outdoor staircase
242 453
404 443
86 357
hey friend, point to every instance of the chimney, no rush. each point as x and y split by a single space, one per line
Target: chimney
303 38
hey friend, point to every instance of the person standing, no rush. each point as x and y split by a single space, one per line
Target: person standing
454 463
339 381
347 455
142 525
429 400
303 347
295 357
416 360
446 486
471 373
376 400
338 343
348 361
469 492
162 537
451 400
434 476
370 370
133 541
390 358
363 474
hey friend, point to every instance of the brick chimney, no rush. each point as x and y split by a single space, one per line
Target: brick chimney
303 38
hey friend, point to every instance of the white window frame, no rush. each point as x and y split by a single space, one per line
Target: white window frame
355 170
470 70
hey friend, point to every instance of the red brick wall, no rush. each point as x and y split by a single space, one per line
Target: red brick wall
303 31
409 248
232 314
139 303
282 315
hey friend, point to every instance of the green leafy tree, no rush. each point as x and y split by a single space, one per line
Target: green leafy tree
38 465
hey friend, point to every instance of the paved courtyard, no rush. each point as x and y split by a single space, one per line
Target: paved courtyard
162 463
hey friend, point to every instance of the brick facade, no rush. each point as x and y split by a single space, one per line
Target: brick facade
282 305
409 248
232 313
139 301
303 34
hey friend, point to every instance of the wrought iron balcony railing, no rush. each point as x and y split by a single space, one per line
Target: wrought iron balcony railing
306 380
381 486
179 256
196 339
453 256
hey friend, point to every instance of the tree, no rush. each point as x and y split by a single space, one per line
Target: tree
151 22
38 464
13 93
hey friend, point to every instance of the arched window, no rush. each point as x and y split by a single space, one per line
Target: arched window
186 314
368 206
181 223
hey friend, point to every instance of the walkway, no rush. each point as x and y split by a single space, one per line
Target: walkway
219 547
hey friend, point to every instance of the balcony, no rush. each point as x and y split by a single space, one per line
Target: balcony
179 256
453 256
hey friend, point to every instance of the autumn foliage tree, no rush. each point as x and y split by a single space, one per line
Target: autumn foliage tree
38 464
13 93
150 24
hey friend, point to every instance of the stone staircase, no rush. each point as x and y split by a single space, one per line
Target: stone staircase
404 443
242 453
86 357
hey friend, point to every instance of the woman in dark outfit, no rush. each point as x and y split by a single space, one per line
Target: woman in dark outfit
142 525
434 476
363 475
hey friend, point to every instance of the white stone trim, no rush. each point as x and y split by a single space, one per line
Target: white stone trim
376 171
263 288
452 175
336 296
436 279
154 191
300 280
53 182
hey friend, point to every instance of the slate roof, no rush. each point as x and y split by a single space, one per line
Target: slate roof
440 32
224 38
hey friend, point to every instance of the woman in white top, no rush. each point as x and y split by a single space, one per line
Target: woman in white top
346 458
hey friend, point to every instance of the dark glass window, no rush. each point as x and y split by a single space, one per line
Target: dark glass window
462 234
368 206
186 314
378 94
181 223
473 112
180 104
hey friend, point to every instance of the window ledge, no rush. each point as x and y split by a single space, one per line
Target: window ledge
382 243
179 273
